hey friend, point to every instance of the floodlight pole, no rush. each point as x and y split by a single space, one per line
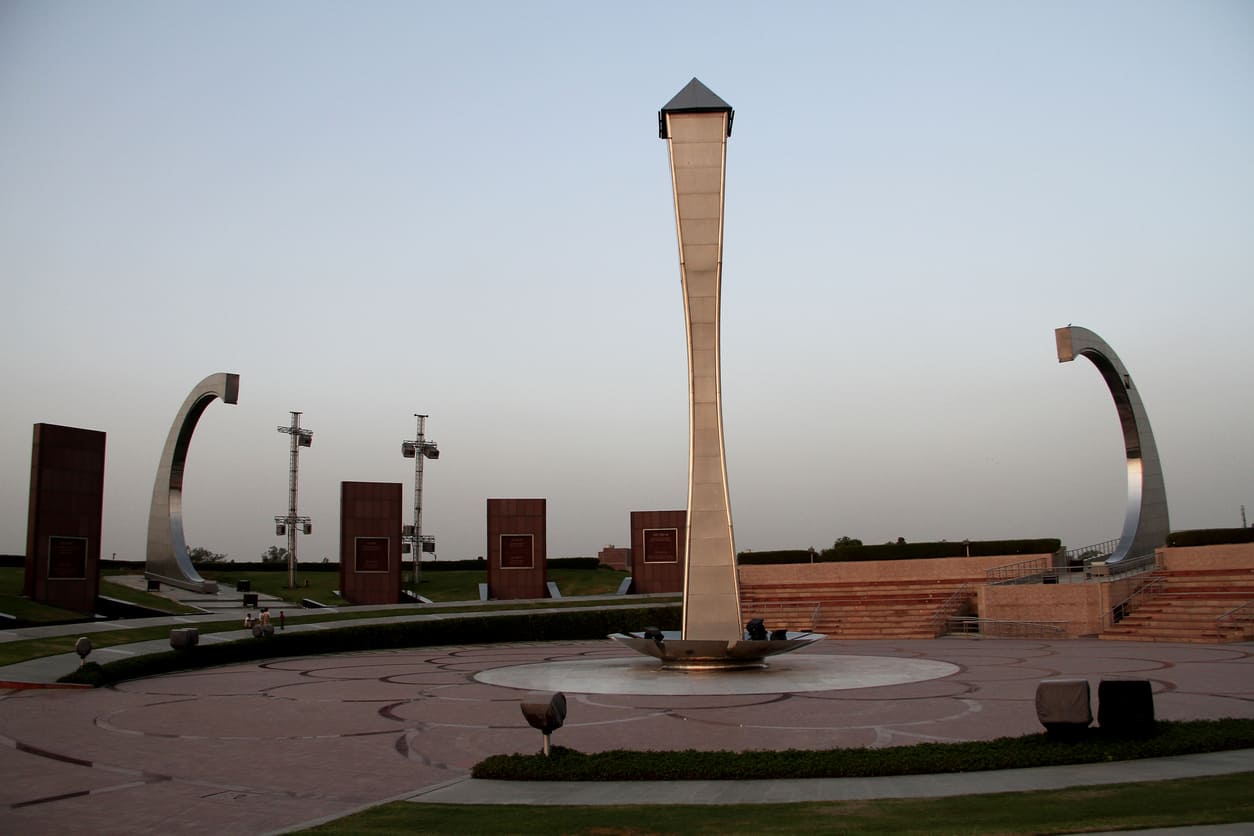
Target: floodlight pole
299 438
419 449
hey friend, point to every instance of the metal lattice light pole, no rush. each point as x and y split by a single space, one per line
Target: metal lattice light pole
418 450
292 521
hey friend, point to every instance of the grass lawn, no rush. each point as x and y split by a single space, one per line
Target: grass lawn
12 603
146 599
1218 800
20 651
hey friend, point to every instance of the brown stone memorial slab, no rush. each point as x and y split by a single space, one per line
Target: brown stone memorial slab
370 542
64 517
517 547
657 550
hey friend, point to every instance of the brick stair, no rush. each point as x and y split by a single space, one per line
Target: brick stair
853 610
1186 608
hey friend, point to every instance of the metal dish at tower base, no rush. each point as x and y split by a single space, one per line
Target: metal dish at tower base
677 653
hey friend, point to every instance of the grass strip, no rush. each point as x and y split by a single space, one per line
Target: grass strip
20 651
1095 745
1158 804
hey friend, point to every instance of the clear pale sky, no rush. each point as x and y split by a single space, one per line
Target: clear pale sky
368 210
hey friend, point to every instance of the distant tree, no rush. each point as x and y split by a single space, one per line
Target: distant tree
274 554
846 541
199 554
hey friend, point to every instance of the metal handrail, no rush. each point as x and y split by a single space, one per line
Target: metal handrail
765 609
1016 571
1002 629
1238 618
1129 605
1097 551
952 604
1236 614
1137 563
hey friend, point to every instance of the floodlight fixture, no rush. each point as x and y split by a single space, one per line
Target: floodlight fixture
418 449
292 523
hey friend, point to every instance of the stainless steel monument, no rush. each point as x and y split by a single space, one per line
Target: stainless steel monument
1145 524
696 124
167 549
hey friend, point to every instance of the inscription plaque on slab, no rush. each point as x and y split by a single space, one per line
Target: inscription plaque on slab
516 551
661 545
67 558
370 554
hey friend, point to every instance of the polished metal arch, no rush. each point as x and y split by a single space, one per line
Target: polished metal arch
167 549
1145 524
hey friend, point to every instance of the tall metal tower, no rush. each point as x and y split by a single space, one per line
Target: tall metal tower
418 450
292 521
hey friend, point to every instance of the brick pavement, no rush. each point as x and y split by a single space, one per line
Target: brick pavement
261 747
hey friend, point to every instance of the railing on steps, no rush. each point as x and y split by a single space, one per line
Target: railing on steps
1097 551
790 613
1016 572
1238 619
950 608
1041 570
1139 596
1128 566
999 629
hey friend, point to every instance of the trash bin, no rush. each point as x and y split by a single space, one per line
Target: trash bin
243 586
250 599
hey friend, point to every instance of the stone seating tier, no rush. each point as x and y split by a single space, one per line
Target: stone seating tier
894 609
1186 607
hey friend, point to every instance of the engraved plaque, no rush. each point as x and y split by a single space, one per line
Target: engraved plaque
661 545
370 554
67 558
516 551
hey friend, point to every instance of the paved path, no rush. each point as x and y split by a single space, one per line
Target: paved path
264 747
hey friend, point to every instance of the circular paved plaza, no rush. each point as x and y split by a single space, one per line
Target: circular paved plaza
259 747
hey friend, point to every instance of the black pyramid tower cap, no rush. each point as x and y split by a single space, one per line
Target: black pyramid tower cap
694 98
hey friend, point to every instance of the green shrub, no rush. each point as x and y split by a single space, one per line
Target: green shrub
775 557
1092 746
1210 537
481 628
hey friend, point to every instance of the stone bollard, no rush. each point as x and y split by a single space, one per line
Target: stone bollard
1125 706
1062 705
184 638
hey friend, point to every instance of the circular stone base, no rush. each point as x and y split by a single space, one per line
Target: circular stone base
787 674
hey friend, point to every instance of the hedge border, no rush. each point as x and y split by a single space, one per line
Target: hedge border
565 625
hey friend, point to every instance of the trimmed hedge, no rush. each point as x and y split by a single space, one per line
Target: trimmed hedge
561 625
1210 537
903 551
1091 746
774 557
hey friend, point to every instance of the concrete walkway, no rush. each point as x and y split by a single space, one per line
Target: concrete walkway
276 745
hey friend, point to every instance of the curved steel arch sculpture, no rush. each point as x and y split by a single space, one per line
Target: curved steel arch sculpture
1145 524
167 550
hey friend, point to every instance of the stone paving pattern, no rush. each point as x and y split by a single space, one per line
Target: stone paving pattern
261 747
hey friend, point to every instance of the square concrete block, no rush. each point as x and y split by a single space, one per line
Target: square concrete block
1063 704
1125 705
